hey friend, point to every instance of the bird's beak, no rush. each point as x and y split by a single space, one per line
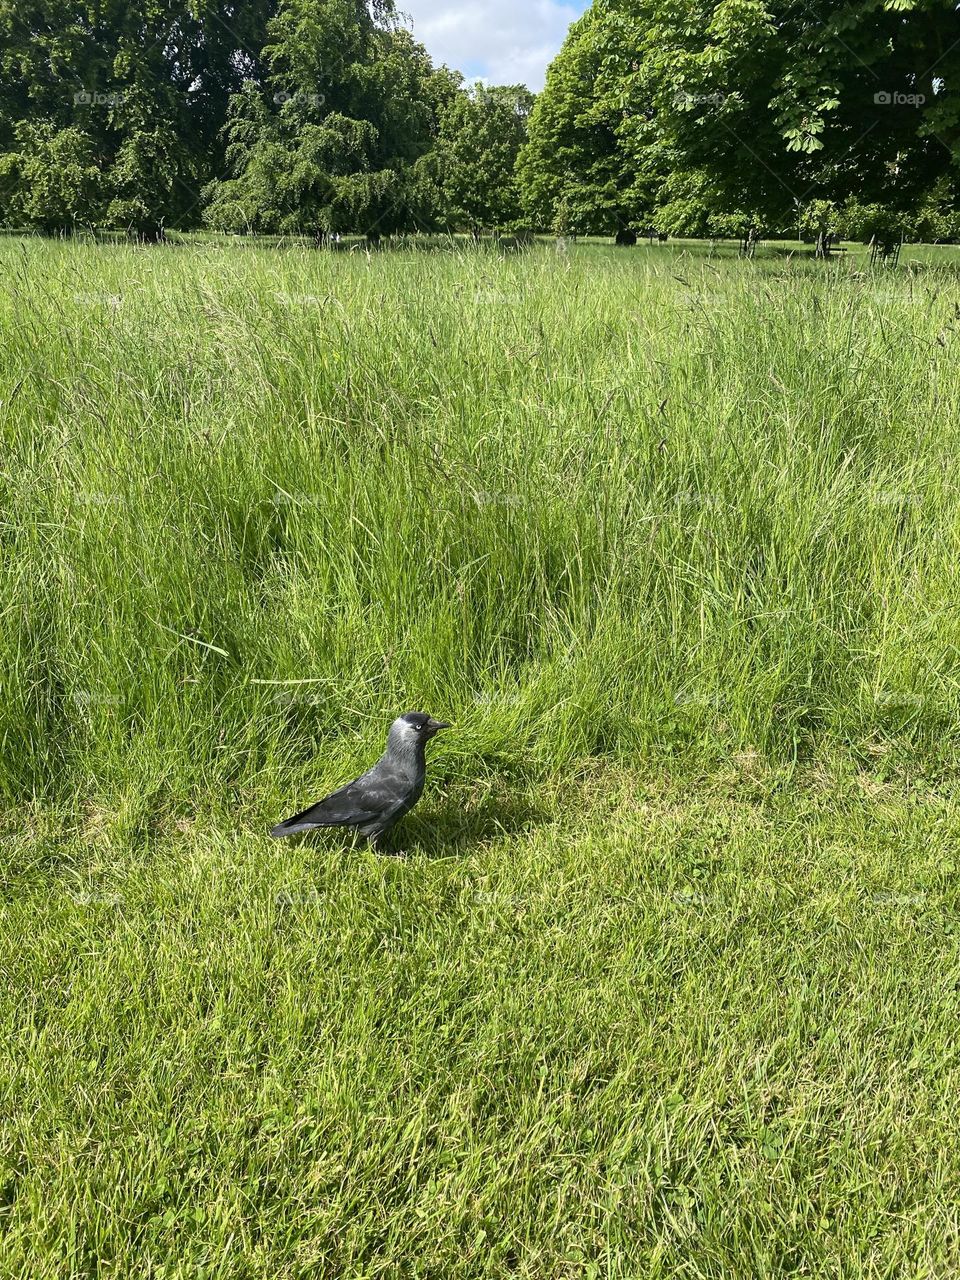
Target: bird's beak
435 726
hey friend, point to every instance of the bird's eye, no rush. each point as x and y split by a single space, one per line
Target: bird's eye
419 728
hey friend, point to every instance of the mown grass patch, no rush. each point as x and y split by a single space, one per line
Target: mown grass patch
648 1032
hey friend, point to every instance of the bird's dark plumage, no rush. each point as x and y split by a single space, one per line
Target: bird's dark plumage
379 798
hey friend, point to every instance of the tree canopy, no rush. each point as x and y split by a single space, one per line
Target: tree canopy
110 112
481 133
575 174
697 117
748 110
314 116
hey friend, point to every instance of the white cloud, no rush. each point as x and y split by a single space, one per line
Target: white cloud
503 41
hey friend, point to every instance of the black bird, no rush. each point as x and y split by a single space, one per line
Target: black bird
378 799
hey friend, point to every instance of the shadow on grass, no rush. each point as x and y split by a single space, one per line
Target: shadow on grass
451 828
456 827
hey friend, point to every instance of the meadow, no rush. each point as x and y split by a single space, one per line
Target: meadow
668 981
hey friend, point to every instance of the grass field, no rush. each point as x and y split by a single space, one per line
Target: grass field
669 982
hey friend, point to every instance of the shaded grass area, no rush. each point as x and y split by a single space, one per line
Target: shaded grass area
648 1032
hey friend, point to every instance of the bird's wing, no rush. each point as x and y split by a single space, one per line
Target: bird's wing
364 800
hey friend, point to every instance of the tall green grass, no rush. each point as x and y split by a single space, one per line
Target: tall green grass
627 503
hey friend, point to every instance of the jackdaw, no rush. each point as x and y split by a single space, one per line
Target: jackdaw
378 799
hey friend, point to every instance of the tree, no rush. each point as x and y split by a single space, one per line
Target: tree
575 175
123 102
48 175
337 140
690 116
821 219
777 104
481 133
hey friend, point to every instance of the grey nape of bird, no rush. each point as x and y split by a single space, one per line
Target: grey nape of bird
378 799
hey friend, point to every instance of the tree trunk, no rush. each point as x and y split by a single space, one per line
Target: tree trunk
748 245
147 233
885 250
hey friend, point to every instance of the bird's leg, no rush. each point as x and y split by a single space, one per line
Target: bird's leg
378 843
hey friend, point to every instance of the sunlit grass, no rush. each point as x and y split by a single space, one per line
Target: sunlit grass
667 986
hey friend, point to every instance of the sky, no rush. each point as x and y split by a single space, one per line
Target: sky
502 41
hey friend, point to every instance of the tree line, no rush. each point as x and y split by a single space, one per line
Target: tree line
716 117
320 117
267 116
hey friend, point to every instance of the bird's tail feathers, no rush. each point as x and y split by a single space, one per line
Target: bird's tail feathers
298 824
292 828
312 819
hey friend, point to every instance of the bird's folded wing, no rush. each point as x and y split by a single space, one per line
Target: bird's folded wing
353 805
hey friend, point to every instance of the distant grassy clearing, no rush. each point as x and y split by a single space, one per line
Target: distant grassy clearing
669 986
